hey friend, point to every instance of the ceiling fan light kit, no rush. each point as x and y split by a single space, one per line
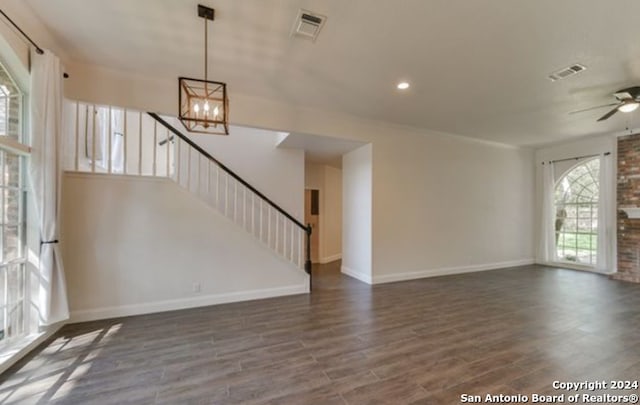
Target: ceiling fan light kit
628 101
629 106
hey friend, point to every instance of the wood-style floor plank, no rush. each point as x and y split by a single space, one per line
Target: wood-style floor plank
426 341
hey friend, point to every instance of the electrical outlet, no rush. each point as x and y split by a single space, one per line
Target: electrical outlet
197 287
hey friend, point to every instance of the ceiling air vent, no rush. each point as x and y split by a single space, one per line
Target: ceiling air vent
308 24
566 72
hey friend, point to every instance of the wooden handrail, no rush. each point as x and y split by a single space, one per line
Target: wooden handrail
307 229
226 169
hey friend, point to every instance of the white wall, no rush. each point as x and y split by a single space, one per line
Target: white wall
357 190
23 16
328 180
135 245
582 147
252 153
313 176
445 205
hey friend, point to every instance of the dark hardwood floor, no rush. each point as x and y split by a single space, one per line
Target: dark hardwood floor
426 342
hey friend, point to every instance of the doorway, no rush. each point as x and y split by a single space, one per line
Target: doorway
312 217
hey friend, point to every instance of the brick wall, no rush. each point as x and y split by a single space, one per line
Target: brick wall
628 195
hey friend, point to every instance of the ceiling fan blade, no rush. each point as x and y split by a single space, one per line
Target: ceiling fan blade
623 95
608 115
593 108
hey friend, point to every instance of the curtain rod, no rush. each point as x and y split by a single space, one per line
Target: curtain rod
577 158
24 34
38 49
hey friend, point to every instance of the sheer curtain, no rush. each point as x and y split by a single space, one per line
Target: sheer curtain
605 254
547 243
44 178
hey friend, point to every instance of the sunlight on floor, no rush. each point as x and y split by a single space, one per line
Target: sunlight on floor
55 379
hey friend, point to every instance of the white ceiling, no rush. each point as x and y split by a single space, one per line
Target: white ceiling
320 149
317 149
478 68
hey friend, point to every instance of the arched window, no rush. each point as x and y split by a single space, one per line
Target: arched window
576 201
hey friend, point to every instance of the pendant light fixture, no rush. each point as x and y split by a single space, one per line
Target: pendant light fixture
203 104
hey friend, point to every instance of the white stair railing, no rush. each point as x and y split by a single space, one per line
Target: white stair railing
112 140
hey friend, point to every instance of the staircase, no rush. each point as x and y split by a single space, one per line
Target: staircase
117 141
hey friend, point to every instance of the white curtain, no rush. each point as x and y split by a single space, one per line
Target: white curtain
605 256
44 175
547 243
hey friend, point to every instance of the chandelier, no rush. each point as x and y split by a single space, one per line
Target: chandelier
204 105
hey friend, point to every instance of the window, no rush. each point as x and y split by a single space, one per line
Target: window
10 107
12 213
576 225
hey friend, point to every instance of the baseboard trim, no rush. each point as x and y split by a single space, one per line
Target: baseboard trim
446 271
625 278
330 259
570 266
185 303
365 278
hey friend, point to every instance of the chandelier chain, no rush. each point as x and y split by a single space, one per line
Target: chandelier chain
206 49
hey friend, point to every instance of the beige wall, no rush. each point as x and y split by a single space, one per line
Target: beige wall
328 180
252 153
443 204
332 213
357 191
134 245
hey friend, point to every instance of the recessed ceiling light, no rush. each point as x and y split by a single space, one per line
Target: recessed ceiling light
403 85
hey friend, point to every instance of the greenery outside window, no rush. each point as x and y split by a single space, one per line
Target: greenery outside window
576 225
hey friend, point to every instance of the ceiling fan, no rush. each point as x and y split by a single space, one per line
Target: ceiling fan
628 101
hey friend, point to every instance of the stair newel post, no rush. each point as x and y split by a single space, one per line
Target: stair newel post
307 263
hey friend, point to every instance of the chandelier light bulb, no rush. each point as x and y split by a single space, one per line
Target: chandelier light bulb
196 108
206 106
216 111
